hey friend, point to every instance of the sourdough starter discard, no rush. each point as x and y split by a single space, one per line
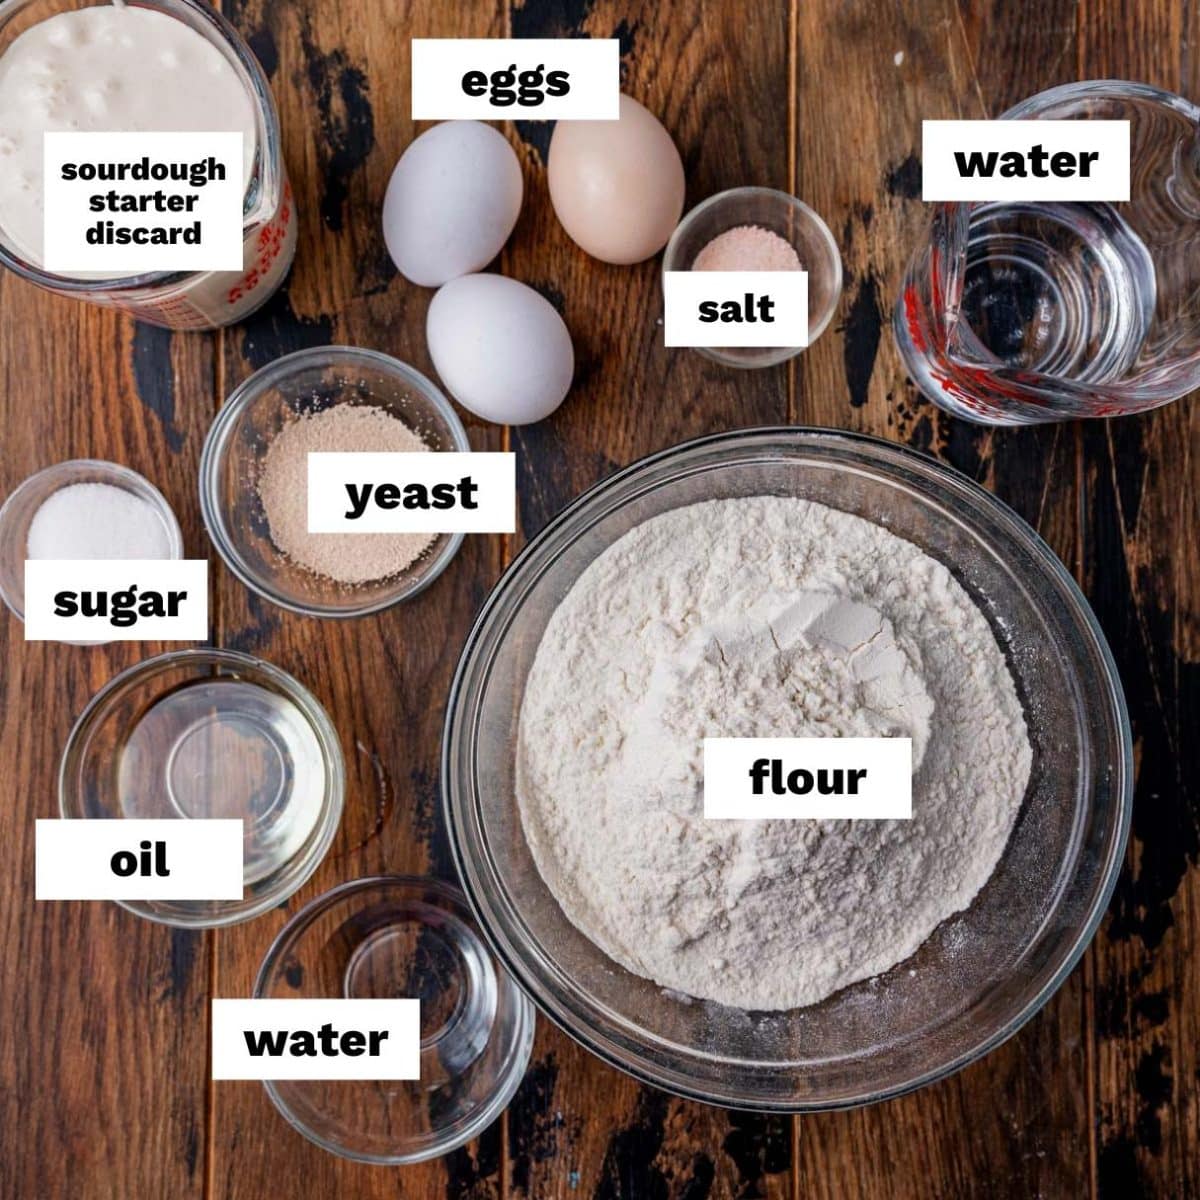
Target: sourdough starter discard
103 68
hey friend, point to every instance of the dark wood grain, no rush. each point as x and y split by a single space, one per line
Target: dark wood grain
341 80
1141 508
104 1065
1001 1127
104 1052
577 1128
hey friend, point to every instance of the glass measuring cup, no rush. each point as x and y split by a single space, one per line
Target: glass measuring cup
188 299
1020 313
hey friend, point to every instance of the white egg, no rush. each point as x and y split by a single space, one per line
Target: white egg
451 203
500 348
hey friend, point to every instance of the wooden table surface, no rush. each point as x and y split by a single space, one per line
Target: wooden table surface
103 1055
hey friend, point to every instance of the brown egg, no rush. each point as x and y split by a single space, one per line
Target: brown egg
617 186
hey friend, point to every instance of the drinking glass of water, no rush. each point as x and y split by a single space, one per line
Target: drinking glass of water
1018 313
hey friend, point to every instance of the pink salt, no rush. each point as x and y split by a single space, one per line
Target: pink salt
748 248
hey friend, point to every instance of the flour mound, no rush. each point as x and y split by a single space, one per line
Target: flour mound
763 617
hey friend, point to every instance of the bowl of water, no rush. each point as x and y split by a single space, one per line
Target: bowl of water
208 733
1020 313
402 937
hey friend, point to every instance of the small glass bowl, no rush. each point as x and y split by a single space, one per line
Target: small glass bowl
402 937
20 508
793 221
212 733
305 382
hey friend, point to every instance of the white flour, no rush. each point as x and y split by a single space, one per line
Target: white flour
763 617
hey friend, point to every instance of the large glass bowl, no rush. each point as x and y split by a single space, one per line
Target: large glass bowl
982 973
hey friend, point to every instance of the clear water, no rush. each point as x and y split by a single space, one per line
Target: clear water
419 950
1067 290
227 748
1095 292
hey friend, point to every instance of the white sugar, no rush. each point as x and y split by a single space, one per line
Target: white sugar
97 520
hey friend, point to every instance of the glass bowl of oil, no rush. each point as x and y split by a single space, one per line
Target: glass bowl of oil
208 733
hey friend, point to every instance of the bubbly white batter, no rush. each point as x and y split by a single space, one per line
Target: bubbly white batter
107 68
